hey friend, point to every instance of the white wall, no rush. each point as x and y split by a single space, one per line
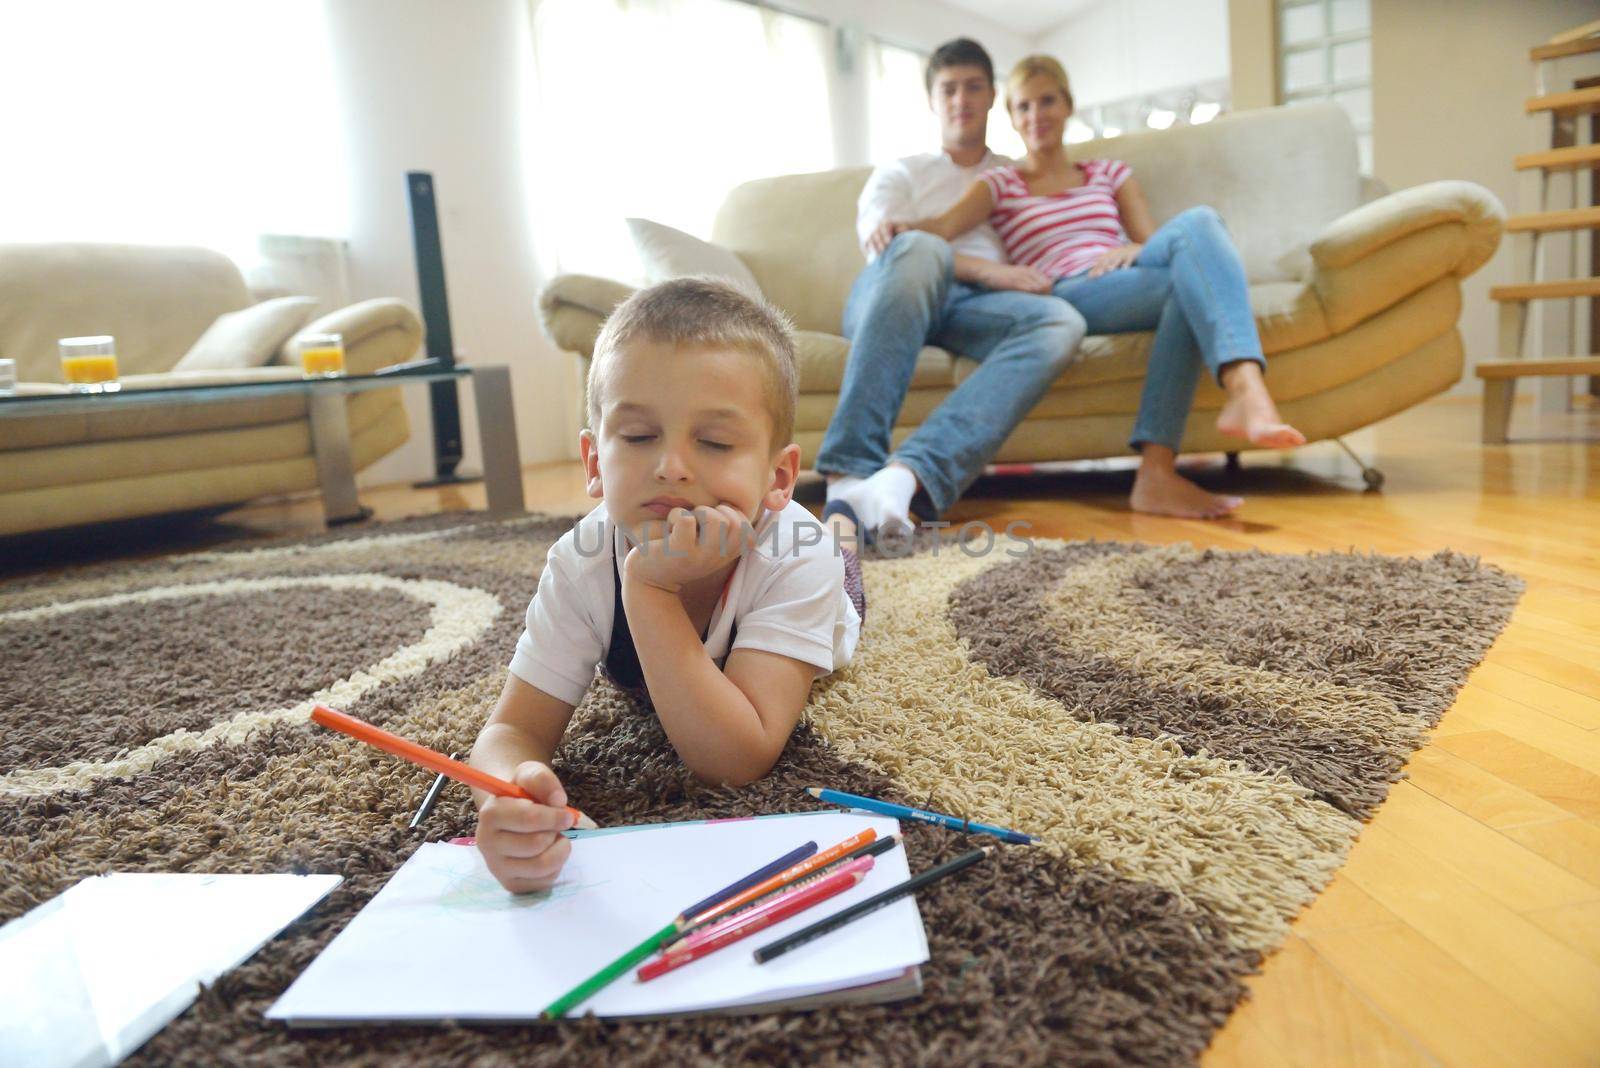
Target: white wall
441 86
435 86
1131 47
1460 115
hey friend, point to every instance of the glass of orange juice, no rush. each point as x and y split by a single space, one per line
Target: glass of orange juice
321 355
89 364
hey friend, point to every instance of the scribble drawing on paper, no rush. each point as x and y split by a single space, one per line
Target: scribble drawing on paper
478 891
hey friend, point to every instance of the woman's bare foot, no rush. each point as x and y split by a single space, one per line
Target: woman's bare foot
1249 412
1158 489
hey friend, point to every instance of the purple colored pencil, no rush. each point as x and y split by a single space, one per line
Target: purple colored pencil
790 858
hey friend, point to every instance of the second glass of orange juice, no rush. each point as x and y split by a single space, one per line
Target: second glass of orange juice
89 364
321 355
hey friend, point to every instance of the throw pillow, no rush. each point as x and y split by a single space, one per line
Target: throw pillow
668 253
250 337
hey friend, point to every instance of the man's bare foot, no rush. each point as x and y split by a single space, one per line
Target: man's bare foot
1249 412
1160 490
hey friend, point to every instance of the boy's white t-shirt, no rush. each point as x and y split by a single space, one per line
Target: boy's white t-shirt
787 596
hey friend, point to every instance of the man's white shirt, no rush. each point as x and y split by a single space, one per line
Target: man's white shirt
917 187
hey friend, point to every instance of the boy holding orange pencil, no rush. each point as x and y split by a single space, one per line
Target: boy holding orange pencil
697 581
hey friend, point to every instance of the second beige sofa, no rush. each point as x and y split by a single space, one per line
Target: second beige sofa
1357 304
59 471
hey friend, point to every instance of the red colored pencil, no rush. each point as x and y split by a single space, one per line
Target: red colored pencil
363 731
780 908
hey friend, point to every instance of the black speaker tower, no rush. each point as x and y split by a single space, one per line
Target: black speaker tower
436 319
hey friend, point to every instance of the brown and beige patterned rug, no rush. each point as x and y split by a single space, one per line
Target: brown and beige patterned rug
1195 735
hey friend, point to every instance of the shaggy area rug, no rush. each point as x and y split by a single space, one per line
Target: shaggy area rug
1195 735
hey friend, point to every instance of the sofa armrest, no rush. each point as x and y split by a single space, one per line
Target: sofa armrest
573 307
1382 252
376 334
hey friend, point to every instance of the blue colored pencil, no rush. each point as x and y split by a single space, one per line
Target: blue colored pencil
889 808
790 858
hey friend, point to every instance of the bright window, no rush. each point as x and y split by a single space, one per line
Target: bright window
900 122
170 121
1001 137
1325 53
656 108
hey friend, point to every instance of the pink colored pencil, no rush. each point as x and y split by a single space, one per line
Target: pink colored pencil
781 907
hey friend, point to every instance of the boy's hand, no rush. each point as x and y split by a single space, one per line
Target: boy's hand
884 234
696 544
520 840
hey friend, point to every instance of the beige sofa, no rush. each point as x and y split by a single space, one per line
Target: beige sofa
62 470
1357 303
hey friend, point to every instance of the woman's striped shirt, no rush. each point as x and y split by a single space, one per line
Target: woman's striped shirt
1064 233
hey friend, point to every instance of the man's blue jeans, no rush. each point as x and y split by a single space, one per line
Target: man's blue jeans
1189 286
907 298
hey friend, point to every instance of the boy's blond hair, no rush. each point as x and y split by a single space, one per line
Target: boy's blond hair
705 311
1028 66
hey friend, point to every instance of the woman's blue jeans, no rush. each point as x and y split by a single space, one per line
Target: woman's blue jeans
908 298
1189 286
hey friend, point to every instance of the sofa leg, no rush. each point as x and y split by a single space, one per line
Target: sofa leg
1370 475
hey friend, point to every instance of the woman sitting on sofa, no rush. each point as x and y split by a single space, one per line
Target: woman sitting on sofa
1086 225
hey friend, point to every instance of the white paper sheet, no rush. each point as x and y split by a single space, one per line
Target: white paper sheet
443 941
91 974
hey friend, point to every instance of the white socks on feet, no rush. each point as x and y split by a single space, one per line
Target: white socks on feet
881 501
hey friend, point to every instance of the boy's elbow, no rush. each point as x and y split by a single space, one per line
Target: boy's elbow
741 771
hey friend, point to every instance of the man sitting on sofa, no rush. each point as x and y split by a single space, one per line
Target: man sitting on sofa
917 290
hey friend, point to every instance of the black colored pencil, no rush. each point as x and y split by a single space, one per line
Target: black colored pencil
871 904
433 795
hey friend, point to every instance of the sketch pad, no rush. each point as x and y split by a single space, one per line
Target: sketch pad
443 941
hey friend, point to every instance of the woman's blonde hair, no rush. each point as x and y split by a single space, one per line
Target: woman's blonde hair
1028 66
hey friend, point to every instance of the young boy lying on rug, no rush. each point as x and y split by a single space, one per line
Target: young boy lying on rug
697 582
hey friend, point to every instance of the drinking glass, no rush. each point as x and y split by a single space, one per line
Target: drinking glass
322 355
89 364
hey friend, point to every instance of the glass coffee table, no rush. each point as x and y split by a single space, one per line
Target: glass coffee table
330 428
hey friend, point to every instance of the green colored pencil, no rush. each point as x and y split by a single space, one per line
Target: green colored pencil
605 976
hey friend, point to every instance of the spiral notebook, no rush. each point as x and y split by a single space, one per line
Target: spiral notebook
442 941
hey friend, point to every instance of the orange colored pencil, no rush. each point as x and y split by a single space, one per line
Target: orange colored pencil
785 877
363 731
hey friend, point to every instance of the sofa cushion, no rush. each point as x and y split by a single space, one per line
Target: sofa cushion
155 300
823 356
1288 314
1109 382
169 444
249 337
83 501
667 253
797 234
